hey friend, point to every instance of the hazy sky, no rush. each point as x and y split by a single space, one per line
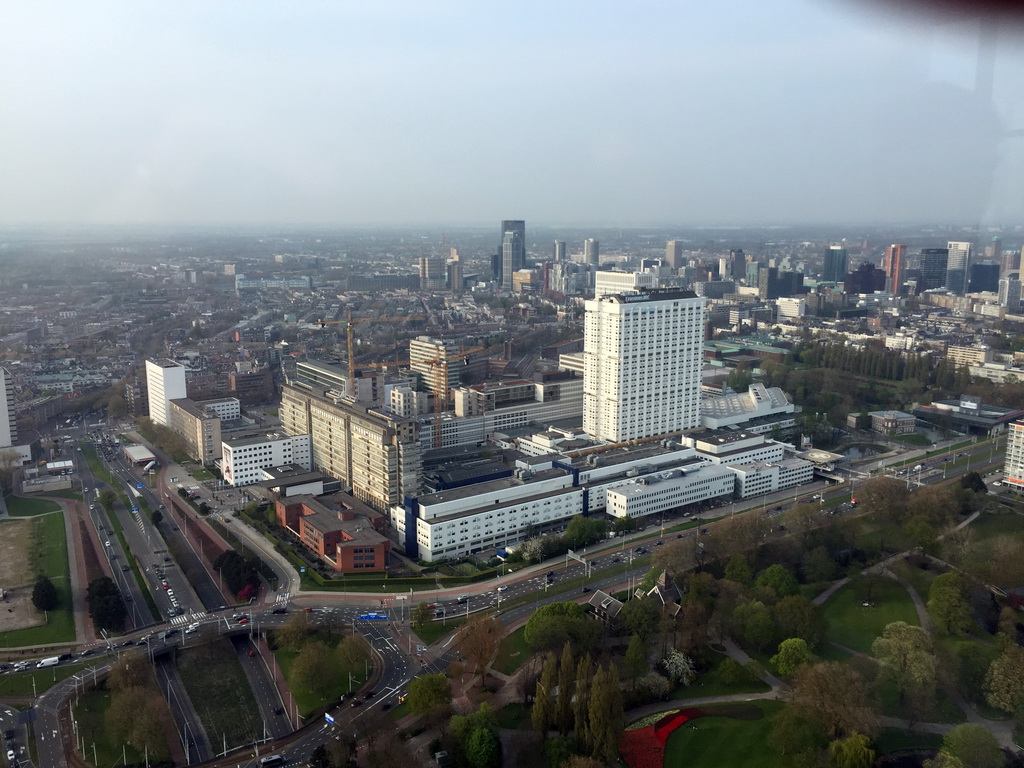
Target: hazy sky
560 111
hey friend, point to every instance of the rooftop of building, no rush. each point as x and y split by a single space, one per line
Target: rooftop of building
721 437
193 408
165 363
488 486
743 402
888 414
625 454
508 503
649 295
254 438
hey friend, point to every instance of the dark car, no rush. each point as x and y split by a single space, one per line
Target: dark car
586 589
355 703
65 657
280 610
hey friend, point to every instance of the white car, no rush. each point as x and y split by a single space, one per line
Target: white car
503 588
10 755
106 543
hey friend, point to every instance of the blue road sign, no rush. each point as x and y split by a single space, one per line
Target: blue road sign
135 509
140 486
329 717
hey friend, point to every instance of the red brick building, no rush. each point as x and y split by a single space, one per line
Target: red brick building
346 533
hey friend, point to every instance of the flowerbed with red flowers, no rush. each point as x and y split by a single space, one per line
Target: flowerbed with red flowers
645 747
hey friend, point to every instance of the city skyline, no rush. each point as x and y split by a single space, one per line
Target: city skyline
347 114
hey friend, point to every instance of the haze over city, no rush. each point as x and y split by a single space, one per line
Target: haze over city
732 113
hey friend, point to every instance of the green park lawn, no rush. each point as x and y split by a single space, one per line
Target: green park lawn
20 683
433 631
18 506
852 624
512 652
724 742
51 559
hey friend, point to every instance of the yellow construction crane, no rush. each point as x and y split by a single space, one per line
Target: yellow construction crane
441 386
349 322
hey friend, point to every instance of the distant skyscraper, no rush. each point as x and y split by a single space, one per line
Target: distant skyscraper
674 253
893 268
641 364
983 276
559 253
865 279
433 274
1009 294
994 250
1009 261
835 266
738 265
957 266
591 252
933 268
513 249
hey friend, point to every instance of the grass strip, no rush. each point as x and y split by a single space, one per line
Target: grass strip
220 694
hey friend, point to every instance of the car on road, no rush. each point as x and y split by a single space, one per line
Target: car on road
106 543
356 703
280 610
10 752
463 599
244 620
503 588
252 653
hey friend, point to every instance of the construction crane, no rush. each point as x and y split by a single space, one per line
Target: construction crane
349 322
441 386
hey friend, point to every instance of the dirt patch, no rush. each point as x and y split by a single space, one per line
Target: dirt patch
15 544
17 611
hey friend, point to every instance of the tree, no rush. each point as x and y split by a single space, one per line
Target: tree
480 642
636 659
552 625
640 617
944 760
793 654
319 758
947 603
582 531
972 482
818 566
738 569
796 616
295 631
106 607
908 662
605 713
852 752
779 580
566 671
887 497
157 517
428 692
973 745
482 749
580 703
10 460
106 499
352 651
543 713
422 615
313 669
44 595
836 696
753 623
679 667
1004 682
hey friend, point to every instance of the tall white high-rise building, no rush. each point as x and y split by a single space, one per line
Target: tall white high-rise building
958 265
641 364
8 423
1013 466
166 381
